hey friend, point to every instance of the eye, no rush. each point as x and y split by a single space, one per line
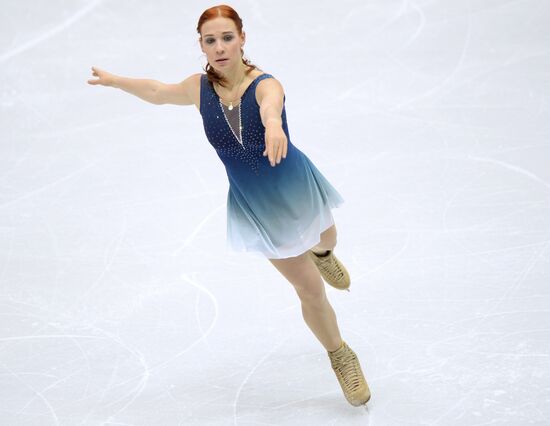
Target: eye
228 38
209 40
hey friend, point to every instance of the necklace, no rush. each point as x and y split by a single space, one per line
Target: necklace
229 124
230 107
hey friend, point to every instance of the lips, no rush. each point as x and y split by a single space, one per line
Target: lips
221 60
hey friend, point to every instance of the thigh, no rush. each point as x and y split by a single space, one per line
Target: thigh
303 274
327 239
328 236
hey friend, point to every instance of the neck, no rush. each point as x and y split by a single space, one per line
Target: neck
234 76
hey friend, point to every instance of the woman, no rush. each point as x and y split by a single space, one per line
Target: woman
279 205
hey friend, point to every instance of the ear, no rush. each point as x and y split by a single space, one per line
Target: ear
243 38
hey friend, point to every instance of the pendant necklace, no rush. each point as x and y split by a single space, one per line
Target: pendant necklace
230 107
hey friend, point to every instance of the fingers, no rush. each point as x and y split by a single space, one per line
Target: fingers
275 151
282 149
279 152
96 72
268 150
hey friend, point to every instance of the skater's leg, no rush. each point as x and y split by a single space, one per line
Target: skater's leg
318 314
303 274
328 241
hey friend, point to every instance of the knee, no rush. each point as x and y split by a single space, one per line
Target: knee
304 276
313 294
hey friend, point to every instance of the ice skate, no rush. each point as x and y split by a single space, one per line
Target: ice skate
332 270
348 371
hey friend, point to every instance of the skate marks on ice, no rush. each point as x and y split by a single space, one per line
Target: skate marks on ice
51 32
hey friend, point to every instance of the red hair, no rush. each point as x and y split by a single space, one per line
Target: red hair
224 11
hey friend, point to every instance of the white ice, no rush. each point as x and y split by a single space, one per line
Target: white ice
120 303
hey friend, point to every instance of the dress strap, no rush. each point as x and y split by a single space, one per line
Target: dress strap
263 76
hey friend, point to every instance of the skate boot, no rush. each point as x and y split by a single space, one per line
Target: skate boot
332 270
348 371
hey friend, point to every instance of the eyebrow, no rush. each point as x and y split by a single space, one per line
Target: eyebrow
225 32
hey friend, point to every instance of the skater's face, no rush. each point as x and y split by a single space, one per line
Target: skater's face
221 40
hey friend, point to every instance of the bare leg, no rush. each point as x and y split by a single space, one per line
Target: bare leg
328 241
318 314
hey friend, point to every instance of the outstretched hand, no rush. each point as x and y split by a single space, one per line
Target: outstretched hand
276 144
104 78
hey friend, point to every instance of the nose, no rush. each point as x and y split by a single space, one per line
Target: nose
219 47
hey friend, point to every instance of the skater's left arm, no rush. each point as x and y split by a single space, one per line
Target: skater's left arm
270 96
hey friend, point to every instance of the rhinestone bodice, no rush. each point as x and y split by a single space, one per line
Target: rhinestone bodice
238 136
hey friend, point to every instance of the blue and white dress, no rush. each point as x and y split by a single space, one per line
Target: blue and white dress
277 211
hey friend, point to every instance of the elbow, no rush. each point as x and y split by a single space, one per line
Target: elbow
157 96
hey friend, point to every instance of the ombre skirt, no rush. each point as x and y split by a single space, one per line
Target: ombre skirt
282 211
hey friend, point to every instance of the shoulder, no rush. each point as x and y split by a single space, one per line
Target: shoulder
269 86
192 83
183 93
269 82
195 77
194 90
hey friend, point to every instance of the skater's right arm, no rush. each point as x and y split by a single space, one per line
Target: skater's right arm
152 91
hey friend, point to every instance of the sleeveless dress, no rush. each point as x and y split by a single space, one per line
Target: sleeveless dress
276 212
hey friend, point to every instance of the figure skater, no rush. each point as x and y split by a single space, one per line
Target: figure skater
279 206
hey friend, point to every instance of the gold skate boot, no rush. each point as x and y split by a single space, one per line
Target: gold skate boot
332 270
348 371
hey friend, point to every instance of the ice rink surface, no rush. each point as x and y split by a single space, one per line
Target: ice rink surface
120 303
